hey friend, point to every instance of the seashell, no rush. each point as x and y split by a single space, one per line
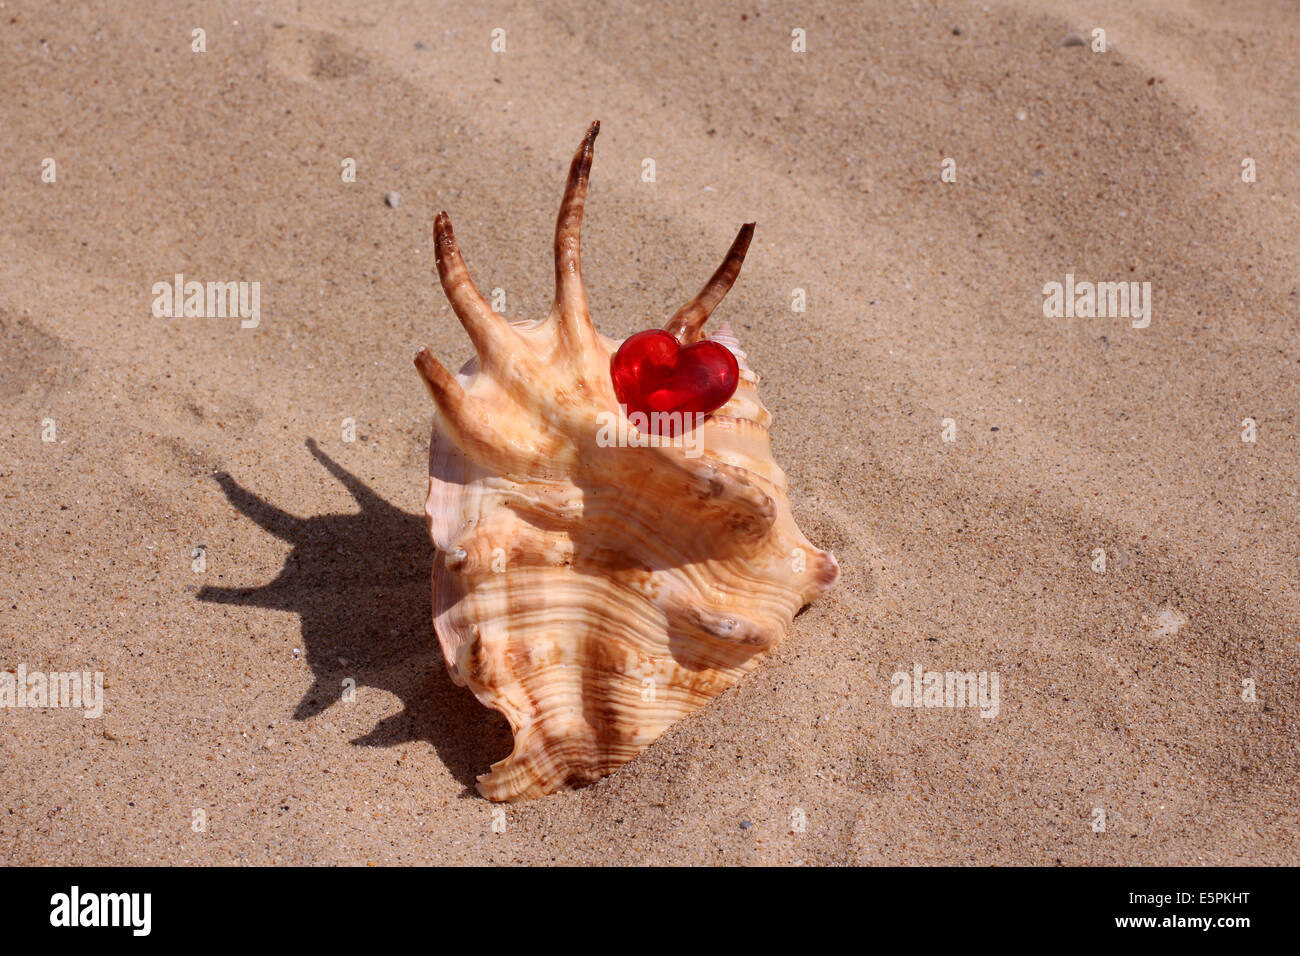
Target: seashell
596 583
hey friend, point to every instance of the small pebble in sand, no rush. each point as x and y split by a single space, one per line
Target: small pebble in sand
1021 114
1074 39
419 45
392 198
745 824
956 31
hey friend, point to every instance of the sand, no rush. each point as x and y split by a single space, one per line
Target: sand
1120 692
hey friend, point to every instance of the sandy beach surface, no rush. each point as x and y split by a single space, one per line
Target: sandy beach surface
1158 698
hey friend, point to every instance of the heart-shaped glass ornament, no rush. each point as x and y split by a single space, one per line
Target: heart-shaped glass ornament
673 385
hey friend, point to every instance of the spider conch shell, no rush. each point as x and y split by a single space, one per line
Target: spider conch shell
596 594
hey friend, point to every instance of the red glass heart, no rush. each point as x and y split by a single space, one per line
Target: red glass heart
653 372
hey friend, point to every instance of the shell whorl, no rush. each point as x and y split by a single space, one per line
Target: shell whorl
596 593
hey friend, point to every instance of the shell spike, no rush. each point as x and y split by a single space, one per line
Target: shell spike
687 322
576 327
488 330
456 416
